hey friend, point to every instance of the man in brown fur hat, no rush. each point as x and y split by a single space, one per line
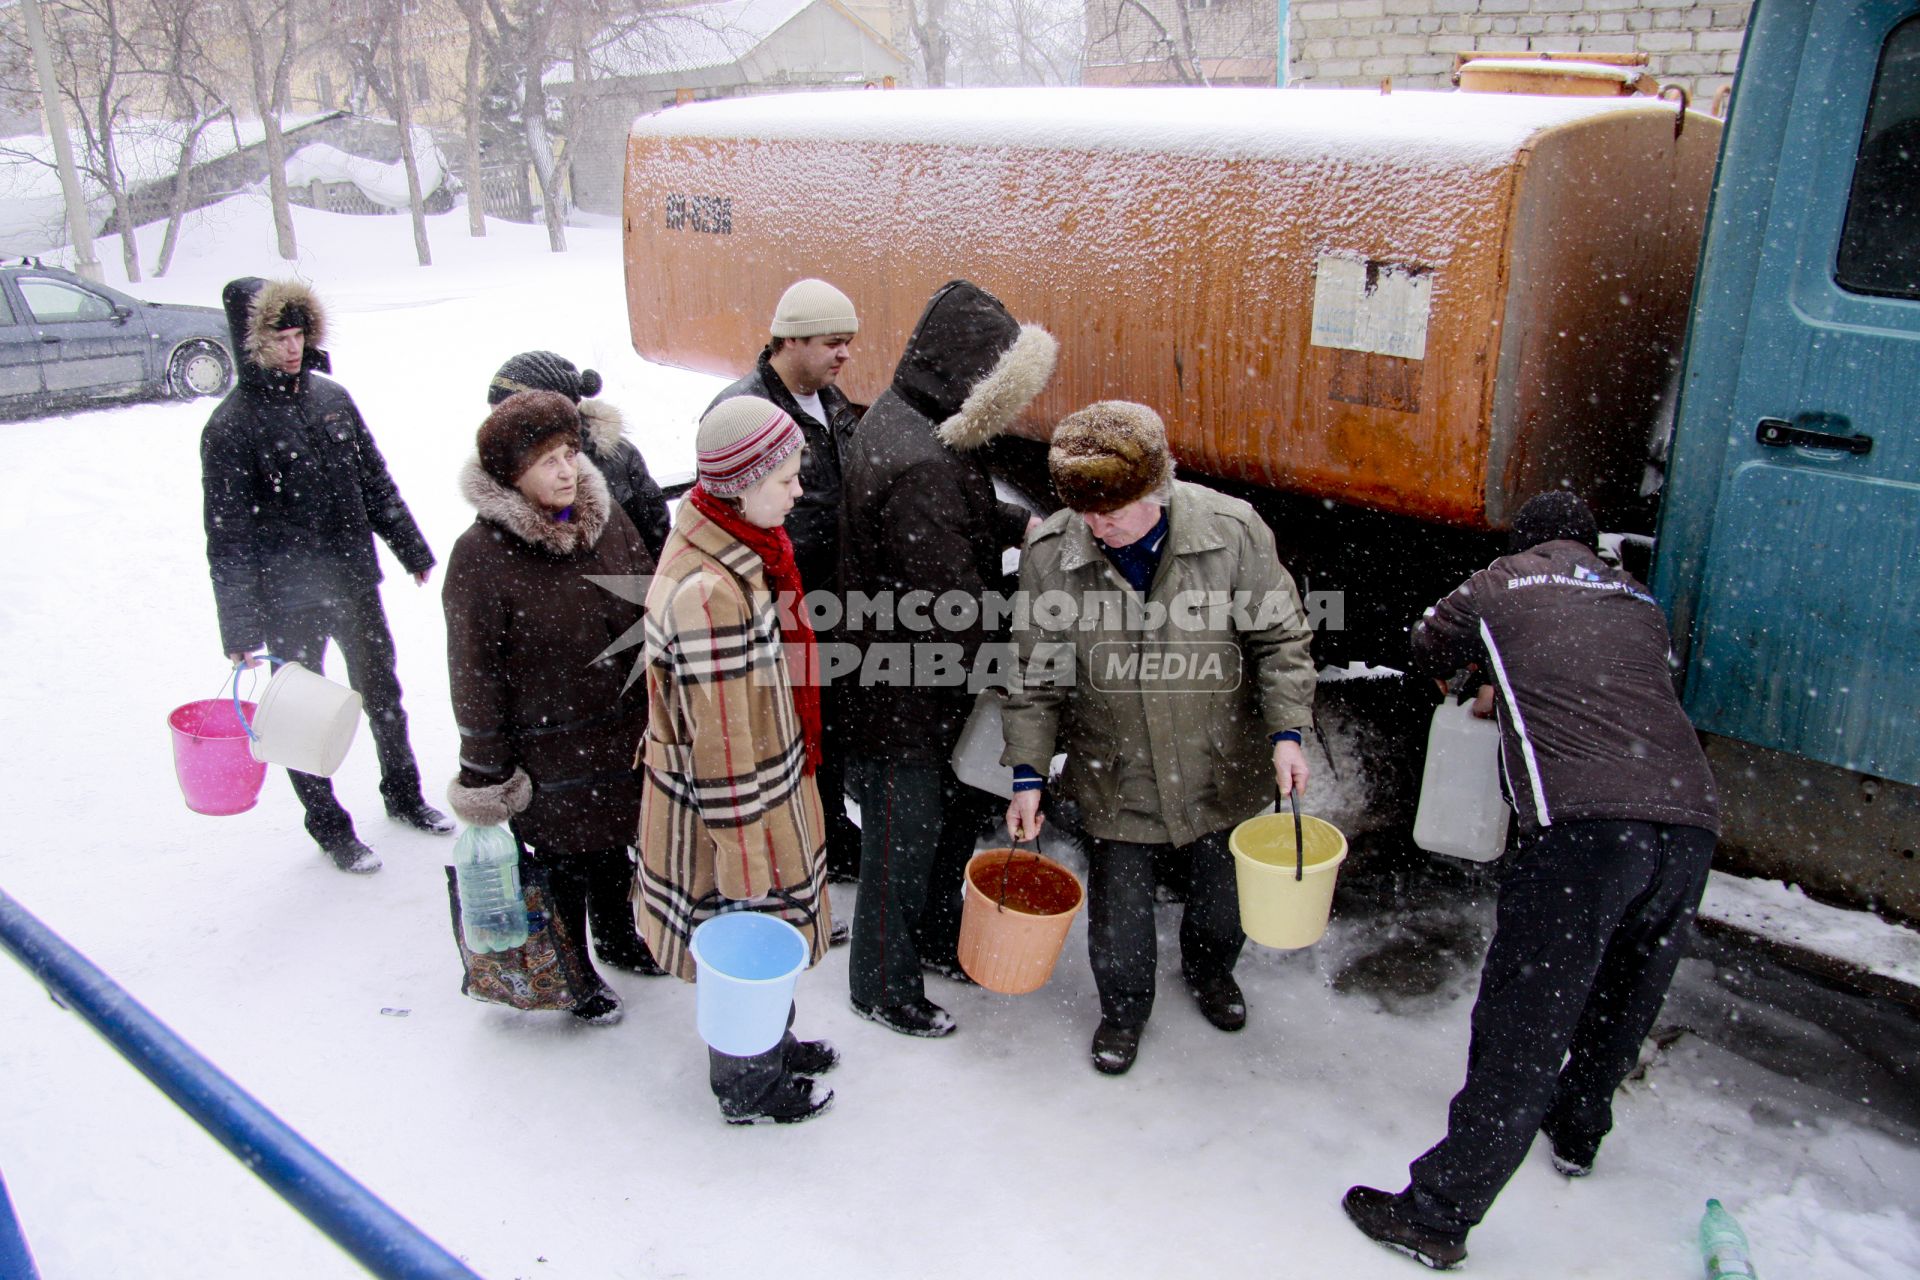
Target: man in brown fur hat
1175 730
295 489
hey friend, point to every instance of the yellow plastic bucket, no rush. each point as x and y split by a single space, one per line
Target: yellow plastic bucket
1015 918
1276 909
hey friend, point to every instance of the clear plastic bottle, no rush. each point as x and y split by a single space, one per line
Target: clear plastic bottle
1723 1245
493 913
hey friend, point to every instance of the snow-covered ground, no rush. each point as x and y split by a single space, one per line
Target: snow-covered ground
537 1148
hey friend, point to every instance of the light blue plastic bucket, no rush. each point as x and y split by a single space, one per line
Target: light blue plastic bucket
749 964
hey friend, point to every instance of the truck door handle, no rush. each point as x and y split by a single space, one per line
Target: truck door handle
1778 433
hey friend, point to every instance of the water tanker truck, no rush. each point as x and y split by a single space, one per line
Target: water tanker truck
1388 318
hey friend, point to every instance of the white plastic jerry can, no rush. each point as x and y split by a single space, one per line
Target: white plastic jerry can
1462 813
976 757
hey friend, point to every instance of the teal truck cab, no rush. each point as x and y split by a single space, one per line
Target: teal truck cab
1788 546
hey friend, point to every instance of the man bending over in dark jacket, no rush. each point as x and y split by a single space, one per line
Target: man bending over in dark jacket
1618 818
295 490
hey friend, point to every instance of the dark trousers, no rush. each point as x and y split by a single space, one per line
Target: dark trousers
358 625
918 827
742 1084
1121 939
608 877
1591 925
843 838
570 885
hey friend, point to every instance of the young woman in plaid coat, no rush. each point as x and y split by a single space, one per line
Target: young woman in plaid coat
729 810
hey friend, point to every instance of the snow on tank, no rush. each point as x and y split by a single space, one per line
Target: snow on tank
1433 304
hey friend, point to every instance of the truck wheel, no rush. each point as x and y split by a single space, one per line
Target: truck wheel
198 369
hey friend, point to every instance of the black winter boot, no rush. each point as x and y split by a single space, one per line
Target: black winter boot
421 816
351 856
811 1058
921 1018
1115 1047
793 1100
1382 1218
1221 1002
1572 1159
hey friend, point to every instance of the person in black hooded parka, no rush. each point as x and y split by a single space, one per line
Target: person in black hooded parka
602 436
295 489
920 515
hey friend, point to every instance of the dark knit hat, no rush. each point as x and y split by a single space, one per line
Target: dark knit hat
1109 454
741 442
520 427
1555 516
542 371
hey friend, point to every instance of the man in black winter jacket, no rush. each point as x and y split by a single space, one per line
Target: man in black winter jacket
811 340
922 517
1618 817
295 489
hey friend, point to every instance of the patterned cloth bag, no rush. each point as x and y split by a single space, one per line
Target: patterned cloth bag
543 972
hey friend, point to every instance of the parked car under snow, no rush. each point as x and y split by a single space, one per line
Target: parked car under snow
65 341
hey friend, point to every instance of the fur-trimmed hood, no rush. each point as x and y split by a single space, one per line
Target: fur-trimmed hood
254 307
971 367
602 425
508 508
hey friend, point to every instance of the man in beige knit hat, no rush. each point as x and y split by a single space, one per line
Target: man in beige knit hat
810 340
1176 728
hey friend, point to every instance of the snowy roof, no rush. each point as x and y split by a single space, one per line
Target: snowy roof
383 184
1418 128
149 149
689 39
32 209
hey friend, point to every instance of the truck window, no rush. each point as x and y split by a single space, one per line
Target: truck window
1880 242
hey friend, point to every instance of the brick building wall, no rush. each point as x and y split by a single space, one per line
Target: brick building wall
1359 42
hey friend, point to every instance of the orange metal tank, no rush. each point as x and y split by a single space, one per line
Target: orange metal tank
1430 304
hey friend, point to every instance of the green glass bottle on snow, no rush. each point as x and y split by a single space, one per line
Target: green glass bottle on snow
1723 1245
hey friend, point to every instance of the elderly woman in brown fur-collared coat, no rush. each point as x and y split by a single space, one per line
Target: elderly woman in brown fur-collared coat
548 721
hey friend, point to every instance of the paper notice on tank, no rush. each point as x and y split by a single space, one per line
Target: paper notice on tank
1379 307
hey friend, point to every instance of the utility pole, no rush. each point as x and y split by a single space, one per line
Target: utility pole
84 263
1282 53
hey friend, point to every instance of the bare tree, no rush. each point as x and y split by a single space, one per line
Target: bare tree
179 45
379 50
272 36
479 42
96 78
525 32
1008 42
928 18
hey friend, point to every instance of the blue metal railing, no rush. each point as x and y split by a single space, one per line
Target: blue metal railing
382 1241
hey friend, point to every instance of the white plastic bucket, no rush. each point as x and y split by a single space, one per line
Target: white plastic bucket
748 965
305 721
976 757
1462 813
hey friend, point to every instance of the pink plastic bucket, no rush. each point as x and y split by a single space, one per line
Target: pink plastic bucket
218 774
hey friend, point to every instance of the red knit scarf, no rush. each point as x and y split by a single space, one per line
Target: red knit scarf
775 550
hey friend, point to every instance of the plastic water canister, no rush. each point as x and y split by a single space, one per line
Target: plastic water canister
976 757
493 912
1462 813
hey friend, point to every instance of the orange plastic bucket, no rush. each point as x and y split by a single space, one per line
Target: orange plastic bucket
1018 909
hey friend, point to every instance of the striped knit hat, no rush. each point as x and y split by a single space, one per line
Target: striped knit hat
741 442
